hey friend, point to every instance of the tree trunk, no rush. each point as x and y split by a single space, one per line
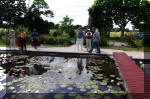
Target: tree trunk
122 31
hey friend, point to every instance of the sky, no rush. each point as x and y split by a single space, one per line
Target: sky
76 9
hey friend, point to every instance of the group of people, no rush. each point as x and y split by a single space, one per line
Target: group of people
92 38
21 39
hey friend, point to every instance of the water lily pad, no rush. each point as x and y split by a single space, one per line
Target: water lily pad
112 76
82 86
72 94
70 88
11 88
120 82
88 87
110 87
119 78
78 97
51 90
122 92
63 86
94 86
103 83
82 89
59 96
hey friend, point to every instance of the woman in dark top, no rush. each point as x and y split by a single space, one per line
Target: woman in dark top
35 38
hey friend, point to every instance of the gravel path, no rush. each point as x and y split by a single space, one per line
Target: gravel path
134 54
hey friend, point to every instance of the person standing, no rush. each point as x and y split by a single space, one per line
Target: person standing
88 40
35 38
96 42
19 40
12 39
80 39
23 40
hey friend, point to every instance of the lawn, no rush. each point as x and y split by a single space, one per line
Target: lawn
118 34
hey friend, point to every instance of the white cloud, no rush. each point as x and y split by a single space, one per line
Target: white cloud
76 9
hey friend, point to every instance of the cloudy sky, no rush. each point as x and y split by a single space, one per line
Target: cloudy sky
76 9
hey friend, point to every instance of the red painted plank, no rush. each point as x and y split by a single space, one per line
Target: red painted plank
135 78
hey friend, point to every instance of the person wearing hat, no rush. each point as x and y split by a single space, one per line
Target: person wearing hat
12 39
88 40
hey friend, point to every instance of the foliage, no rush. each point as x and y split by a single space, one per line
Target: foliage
67 27
104 41
61 40
58 33
17 12
104 13
138 43
17 29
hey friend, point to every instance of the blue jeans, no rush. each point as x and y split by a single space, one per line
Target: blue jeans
93 46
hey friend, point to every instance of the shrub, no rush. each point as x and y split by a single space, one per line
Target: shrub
57 33
59 40
137 43
103 41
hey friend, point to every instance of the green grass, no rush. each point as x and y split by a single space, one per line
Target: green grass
118 34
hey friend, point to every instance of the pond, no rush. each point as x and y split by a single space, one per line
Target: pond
41 77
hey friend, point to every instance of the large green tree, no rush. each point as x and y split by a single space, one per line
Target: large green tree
104 13
17 12
100 15
11 10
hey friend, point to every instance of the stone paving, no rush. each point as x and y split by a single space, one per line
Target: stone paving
73 48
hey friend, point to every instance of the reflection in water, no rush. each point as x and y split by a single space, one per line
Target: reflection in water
39 74
80 67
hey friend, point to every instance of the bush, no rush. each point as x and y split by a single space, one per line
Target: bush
103 41
57 33
137 43
59 40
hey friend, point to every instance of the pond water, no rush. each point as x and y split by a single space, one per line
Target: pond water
60 78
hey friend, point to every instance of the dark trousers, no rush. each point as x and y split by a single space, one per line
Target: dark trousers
23 43
95 44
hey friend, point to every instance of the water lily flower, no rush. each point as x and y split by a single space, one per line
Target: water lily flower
43 82
12 68
118 84
69 77
22 61
109 89
112 81
59 71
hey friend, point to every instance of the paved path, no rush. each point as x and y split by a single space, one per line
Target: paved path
134 54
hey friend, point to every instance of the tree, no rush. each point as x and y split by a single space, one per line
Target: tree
100 16
67 27
16 13
104 13
141 19
11 10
